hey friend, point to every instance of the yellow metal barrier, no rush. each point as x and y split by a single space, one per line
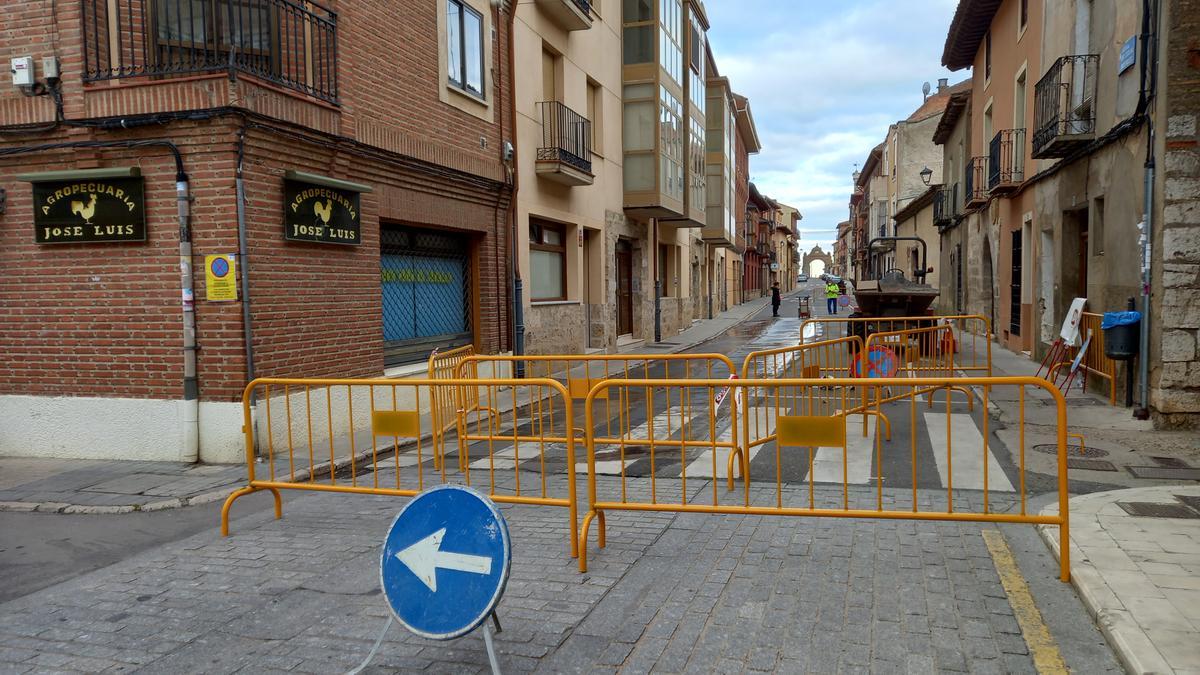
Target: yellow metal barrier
972 334
374 436
452 402
581 372
809 445
1094 361
919 352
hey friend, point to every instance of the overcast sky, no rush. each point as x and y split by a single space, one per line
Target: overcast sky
825 79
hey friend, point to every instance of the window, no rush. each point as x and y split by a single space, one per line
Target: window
189 31
639 31
550 62
987 56
547 261
464 42
595 113
1024 13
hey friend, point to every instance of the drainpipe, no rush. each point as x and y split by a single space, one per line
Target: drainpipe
191 383
244 273
657 280
518 298
1148 85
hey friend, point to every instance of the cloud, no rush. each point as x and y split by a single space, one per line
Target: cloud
825 80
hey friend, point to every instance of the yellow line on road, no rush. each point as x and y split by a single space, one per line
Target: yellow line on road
1046 656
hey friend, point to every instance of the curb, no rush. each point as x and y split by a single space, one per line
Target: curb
1110 620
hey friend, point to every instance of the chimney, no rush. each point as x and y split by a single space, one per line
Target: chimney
943 82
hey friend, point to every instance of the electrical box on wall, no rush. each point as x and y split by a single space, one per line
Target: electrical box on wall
22 71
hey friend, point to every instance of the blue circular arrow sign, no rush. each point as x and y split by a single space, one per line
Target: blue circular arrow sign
445 562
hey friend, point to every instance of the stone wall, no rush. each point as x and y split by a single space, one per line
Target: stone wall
1175 393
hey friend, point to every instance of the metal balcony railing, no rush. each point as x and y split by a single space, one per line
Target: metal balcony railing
975 188
1065 105
946 205
566 136
1006 160
292 44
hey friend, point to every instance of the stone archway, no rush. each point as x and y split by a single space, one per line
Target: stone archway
823 261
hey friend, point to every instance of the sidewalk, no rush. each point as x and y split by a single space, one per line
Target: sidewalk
124 486
1135 560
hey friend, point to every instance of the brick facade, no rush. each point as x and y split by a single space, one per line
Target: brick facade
97 321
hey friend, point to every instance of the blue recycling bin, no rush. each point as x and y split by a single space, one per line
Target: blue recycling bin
1122 334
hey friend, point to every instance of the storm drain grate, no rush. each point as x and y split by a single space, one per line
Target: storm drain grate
1171 462
1163 473
1072 450
1149 510
1090 464
1191 500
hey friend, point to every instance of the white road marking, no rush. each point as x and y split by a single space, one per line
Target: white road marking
966 448
860 453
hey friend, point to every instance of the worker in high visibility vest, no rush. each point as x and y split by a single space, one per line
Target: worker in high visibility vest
831 297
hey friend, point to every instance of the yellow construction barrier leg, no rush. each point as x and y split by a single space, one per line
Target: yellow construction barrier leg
240 493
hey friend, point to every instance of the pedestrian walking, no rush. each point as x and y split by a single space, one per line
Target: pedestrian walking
776 299
831 296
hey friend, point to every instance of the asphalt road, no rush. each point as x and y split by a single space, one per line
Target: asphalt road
43 549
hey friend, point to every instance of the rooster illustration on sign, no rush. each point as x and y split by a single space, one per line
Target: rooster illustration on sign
85 212
324 211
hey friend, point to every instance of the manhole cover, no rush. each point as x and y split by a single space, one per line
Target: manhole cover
1171 462
1163 473
1090 464
1191 500
1148 510
1072 451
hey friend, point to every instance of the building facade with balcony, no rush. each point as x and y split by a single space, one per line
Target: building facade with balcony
1001 43
581 277
785 240
372 200
966 279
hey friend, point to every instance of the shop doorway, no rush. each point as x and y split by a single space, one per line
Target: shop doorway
426 282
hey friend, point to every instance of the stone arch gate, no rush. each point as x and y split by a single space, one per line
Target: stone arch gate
816 254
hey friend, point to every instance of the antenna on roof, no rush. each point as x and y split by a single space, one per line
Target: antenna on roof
925 90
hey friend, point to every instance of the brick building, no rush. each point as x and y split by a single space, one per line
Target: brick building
370 147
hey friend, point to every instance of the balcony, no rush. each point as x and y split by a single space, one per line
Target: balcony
975 189
293 45
568 14
566 153
1065 104
1006 161
945 206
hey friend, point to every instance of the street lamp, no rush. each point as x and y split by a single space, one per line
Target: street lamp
926 175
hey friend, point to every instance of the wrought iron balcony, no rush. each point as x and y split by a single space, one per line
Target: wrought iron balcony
1065 104
946 206
569 14
291 44
975 189
1006 161
566 152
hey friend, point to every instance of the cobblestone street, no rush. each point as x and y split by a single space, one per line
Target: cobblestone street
669 593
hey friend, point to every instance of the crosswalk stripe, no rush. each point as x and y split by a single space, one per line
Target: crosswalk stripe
860 454
702 466
967 453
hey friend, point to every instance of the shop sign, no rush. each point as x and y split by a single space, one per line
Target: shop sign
89 211
320 214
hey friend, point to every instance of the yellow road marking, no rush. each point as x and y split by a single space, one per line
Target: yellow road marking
1046 656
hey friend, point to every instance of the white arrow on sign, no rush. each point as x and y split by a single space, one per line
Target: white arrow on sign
426 556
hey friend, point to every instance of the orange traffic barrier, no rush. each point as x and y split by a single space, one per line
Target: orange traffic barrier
1094 361
803 445
375 436
970 338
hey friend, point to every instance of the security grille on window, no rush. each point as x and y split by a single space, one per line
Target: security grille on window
464 41
426 281
547 262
